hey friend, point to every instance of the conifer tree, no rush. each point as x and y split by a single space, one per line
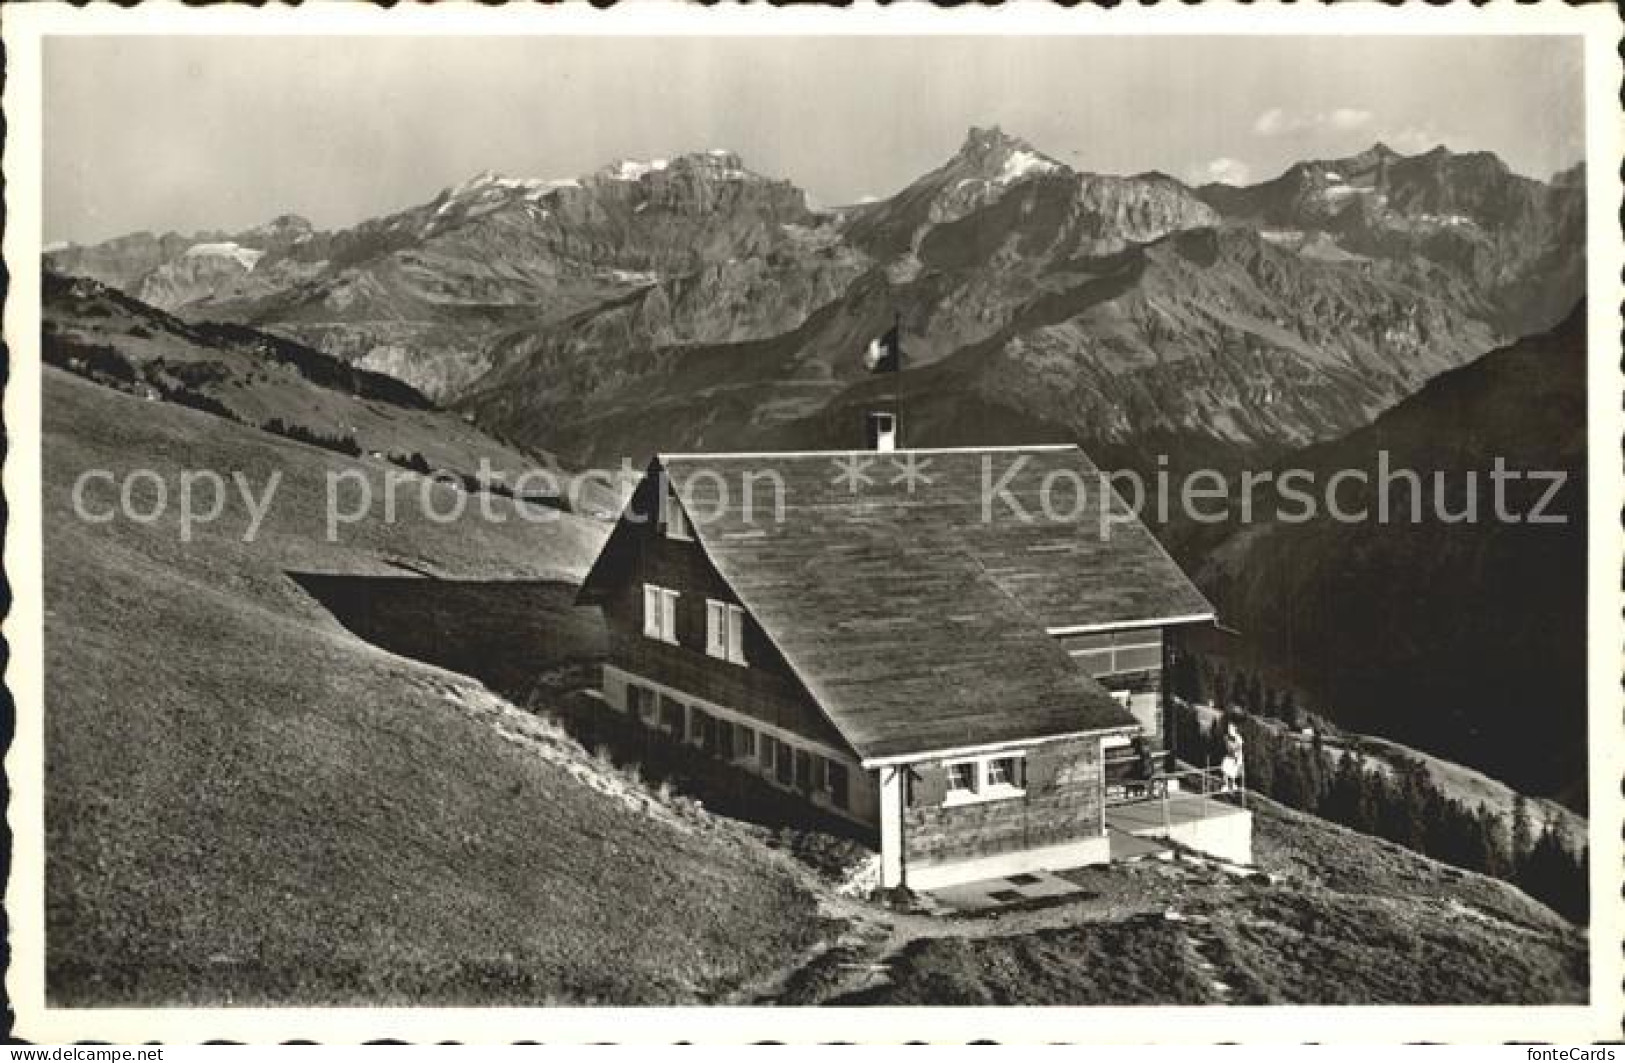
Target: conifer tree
1522 839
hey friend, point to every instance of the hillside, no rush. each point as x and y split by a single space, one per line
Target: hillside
1335 918
286 388
1472 634
246 804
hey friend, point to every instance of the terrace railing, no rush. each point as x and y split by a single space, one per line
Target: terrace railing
1182 795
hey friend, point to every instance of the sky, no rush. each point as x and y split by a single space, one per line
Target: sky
223 133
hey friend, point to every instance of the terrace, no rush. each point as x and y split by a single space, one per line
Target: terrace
1191 807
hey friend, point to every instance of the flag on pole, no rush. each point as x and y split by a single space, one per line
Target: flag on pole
884 353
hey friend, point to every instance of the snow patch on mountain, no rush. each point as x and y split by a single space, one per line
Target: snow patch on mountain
245 257
539 190
489 186
1021 164
1453 220
634 169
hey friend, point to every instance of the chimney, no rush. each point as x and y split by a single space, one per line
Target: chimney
882 430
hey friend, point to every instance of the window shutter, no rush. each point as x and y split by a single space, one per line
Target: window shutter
714 619
1043 763
930 784
651 611
736 633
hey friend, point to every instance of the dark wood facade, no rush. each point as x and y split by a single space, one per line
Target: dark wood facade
755 714
1062 803
763 688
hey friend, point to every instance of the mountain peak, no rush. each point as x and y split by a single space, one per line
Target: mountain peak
1573 177
980 143
715 163
488 186
283 225
994 155
479 180
1378 154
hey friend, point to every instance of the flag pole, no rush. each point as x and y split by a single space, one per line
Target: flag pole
897 385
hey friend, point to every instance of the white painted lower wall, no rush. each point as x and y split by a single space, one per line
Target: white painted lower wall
1228 837
1049 858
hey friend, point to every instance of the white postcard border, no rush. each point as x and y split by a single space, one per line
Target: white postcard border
24 27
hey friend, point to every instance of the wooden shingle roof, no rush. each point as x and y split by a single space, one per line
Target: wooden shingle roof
916 613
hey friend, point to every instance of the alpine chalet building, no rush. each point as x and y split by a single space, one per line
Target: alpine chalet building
953 647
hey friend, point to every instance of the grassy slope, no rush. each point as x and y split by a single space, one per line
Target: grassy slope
246 803
1346 919
257 391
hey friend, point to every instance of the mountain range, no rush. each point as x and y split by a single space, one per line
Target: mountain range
1342 308
692 303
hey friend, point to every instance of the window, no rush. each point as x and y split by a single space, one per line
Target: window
784 768
985 779
767 752
725 631
640 701
671 715
1002 771
696 725
660 613
674 519
1137 658
837 783
804 771
744 742
1117 652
